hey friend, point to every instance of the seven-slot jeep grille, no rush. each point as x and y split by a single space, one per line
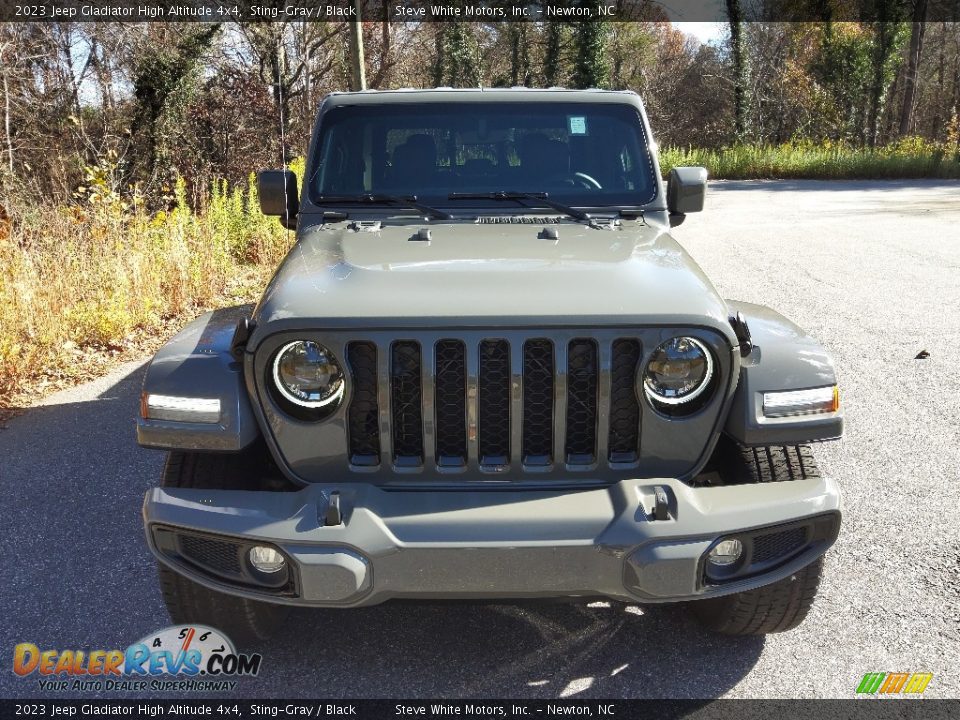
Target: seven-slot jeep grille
581 402
405 403
364 410
538 402
624 407
451 403
495 404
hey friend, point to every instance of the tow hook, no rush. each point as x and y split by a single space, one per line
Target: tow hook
332 516
661 503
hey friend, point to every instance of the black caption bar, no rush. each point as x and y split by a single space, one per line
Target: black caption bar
872 709
465 10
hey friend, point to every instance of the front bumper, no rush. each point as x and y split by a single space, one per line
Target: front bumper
492 543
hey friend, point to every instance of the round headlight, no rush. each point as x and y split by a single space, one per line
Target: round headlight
307 374
679 371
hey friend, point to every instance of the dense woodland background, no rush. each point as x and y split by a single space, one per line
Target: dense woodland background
209 101
126 149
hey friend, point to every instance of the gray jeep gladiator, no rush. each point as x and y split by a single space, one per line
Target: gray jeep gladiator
486 370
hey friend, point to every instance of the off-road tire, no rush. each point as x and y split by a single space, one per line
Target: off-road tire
782 605
214 471
773 608
738 464
244 621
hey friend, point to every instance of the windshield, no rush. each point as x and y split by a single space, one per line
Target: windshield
582 154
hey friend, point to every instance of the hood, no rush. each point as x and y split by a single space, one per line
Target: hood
487 274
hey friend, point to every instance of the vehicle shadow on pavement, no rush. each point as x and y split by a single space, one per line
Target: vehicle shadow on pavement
534 649
76 479
79 478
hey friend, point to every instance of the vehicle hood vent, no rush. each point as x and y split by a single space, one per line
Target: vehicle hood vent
518 219
366 226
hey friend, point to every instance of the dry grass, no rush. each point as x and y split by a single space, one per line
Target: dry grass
103 279
908 158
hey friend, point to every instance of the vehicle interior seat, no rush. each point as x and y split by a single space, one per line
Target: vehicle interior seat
414 162
543 160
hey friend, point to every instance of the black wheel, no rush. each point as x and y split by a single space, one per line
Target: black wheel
241 619
773 608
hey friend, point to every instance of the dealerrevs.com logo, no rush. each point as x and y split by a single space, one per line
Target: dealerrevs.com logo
882 683
178 658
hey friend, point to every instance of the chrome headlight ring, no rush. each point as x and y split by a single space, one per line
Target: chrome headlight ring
703 383
328 384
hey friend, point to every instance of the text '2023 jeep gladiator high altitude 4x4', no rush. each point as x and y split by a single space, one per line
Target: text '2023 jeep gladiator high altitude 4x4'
486 370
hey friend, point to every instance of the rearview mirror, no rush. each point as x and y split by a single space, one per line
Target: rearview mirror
278 195
686 191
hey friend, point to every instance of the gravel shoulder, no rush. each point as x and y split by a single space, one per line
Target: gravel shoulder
871 269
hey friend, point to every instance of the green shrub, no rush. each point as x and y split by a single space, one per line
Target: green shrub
908 158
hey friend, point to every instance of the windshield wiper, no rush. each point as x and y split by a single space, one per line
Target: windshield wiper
519 196
373 198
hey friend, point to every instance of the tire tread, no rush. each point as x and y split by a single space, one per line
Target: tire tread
243 620
768 463
778 607
782 605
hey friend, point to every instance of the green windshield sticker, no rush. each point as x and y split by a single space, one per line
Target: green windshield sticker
578 124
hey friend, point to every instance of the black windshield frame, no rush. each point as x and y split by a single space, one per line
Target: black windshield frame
357 151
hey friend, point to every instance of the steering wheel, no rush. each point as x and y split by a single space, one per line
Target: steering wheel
580 179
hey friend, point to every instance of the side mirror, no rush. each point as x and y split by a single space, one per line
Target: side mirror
686 191
278 195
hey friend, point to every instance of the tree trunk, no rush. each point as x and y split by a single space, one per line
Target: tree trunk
551 56
519 55
278 66
938 122
735 16
440 53
890 110
463 66
913 65
884 37
358 74
6 120
385 62
590 70
307 55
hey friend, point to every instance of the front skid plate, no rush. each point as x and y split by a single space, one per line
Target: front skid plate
494 543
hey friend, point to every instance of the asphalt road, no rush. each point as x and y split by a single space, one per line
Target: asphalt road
872 269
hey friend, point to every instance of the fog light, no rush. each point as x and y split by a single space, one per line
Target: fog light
266 559
725 552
